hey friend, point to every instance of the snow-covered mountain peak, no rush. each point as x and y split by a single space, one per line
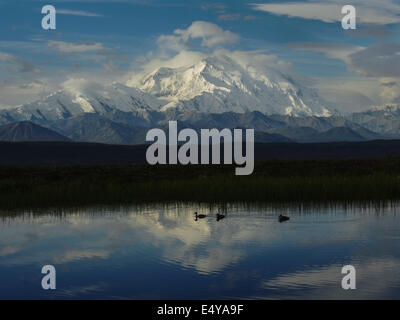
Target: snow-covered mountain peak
215 84
220 83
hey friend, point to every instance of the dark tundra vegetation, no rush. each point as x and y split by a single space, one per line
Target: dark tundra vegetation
272 181
71 153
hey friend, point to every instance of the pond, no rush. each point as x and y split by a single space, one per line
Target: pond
163 252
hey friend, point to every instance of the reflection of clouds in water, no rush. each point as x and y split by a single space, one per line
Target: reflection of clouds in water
21 234
373 277
211 259
74 255
168 226
10 246
73 292
205 246
46 239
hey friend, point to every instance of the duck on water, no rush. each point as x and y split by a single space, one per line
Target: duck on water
199 216
203 216
283 218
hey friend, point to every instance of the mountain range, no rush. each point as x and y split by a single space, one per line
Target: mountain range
28 131
216 92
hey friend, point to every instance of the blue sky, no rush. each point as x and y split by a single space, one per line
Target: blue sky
112 40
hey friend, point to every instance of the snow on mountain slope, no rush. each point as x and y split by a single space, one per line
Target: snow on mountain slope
382 119
64 104
215 84
220 84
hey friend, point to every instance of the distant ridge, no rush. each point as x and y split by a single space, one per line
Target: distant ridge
118 127
91 127
26 131
73 153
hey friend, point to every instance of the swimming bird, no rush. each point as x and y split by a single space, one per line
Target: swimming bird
283 218
199 216
219 216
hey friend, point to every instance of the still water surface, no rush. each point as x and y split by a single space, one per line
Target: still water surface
161 252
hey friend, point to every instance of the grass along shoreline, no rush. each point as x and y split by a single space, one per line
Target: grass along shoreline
272 181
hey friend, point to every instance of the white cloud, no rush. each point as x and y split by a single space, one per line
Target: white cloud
171 42
15 92
23 66
229 17
350 94
78 13
331 50
219 7
70 47
379 62
382 60
76 85
144 67
379 12
390 90
210 35
315 11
